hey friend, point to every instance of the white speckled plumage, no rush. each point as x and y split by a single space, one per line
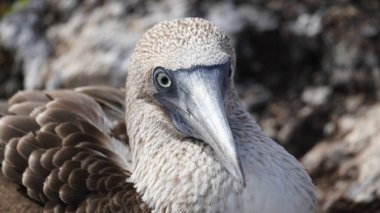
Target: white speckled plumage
178 174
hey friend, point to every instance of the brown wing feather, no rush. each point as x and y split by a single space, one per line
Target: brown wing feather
3 108
59 148
12 201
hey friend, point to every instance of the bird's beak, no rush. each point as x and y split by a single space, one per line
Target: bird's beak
197 110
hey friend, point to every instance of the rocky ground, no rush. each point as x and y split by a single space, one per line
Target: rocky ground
309 71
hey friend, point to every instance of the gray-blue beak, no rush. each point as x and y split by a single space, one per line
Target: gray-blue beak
196 105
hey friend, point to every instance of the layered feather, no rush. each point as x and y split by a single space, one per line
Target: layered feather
68 149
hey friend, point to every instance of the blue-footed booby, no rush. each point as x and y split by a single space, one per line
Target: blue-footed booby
176 139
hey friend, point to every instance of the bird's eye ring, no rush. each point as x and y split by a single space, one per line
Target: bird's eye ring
161 78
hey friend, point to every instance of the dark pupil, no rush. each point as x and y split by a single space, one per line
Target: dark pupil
164 80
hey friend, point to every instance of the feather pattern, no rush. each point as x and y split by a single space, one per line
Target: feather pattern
66 159
69 150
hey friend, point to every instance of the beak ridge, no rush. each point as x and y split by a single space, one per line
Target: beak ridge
196 106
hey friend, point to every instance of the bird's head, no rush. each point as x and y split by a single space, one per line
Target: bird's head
186 67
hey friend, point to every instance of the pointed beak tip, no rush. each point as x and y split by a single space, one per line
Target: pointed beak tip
240 178
237 173
234 162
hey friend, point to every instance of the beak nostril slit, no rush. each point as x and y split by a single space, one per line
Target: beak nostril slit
230 73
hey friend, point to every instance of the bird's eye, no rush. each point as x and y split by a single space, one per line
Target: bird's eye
162 78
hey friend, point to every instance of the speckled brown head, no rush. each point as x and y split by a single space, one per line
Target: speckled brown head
186 67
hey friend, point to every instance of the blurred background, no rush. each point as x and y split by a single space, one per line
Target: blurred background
309 71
